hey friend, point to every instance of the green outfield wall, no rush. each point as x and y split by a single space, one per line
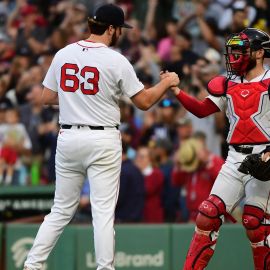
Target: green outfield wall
144 247
137 247
22 202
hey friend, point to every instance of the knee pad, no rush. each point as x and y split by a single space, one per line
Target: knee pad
252 220
210 214
252 217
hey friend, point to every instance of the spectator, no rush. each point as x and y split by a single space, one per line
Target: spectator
154 185
162 151
74 19
42 127
7 155
127 134
130 44
148 81
130 203
6 53
128 119
29 78
57 40
184 130
5 104
181 55
147 64
196 169
212 125
262 15
15 143
202 26
164 127
31 32
165 44
235 18
213 56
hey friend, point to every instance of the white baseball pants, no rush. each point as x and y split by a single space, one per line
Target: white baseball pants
82 153
232 186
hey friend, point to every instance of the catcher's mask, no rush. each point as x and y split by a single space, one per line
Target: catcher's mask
239 48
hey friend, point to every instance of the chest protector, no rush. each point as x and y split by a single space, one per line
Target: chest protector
248 111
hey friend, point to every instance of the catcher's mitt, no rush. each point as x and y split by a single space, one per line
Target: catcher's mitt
254 166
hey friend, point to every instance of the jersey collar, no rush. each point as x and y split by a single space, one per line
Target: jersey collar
264 75
91 44
259 77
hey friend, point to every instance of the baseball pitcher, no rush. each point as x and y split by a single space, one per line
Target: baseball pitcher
87 79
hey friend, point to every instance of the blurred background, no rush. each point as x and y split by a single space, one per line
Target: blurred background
170 157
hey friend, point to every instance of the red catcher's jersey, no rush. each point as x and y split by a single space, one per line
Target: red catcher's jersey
248 111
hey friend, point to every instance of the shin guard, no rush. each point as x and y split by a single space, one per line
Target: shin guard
259 236
208 222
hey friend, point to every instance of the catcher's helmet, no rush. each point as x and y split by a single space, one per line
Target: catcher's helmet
237 45
258 39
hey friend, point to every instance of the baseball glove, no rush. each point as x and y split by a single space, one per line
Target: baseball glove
254 166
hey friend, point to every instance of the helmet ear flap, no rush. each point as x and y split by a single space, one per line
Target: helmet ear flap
266 47
258 40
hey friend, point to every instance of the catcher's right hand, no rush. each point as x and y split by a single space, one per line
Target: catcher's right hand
254 165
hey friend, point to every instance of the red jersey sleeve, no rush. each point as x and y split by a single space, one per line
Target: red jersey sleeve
198 108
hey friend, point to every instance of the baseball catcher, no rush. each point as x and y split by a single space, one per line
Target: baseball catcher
244 95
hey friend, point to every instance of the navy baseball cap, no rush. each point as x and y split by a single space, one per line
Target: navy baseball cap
111 15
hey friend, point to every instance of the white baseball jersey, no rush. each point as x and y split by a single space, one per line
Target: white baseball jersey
90 78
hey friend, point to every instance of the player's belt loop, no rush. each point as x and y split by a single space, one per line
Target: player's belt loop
65 126
91 127
243 149
96 127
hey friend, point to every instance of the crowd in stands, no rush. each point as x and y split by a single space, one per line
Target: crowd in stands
170 157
